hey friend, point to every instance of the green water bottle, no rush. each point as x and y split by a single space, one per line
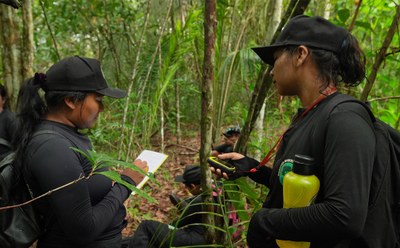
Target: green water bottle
300 188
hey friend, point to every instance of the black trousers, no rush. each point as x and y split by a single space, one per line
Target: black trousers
153 234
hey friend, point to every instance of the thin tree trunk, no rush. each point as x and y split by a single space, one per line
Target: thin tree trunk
210 26
264 81
353 21
131 83
27 41
162 131
11 53
380 56
227 84
182 15
324 8
221 84
273 16
178 114
143 84
50 30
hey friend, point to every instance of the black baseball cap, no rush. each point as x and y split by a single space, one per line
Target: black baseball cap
314 32
79 74
191 174
230 131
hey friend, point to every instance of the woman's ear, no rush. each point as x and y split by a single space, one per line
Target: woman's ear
70 102
302 55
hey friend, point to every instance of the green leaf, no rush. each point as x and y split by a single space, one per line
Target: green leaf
115 176
365 25
343 14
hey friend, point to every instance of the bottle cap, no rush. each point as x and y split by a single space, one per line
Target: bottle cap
303 165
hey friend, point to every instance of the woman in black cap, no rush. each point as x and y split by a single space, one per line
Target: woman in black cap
187 230
231 136
310 58
90 212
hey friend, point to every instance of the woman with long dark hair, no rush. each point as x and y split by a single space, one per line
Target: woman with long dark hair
90 212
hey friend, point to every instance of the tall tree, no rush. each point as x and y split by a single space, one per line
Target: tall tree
273 17
27 40
10 40
210 26
17 53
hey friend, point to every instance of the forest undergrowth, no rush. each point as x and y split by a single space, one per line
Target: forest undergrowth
179 155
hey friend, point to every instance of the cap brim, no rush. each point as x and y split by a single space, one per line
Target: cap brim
266 53
179 179
227 135
114 93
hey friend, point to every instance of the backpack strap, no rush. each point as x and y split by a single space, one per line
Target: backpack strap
319 135
50 217
40 132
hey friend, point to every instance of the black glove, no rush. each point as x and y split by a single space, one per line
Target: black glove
243 167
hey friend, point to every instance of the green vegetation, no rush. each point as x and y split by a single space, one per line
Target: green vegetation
154 49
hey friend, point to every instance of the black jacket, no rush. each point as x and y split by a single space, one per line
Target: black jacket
345 164
87 211
7 129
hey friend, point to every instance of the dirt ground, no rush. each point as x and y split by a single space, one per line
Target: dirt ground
179 155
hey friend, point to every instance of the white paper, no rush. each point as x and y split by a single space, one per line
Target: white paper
154 161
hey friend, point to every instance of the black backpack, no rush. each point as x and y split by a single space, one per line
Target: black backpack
20 226
383 218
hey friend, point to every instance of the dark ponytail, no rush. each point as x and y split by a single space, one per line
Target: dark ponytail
352 61
30 110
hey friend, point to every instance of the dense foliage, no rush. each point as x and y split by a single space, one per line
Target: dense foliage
154 49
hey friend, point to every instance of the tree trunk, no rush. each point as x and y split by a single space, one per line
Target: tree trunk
380 56
131 84
27 40
264 81
273 17
324 8
353 21
162 125
178 114
11 53
210 26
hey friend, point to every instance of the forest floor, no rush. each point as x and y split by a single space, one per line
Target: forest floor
179 155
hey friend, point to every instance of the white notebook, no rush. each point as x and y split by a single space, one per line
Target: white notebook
154 161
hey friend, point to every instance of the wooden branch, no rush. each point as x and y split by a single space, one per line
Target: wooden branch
50 30
384 98
42 195
394 51
381 55
353 21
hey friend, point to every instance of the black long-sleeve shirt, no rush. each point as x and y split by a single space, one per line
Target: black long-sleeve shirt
345 170
7 129
89 210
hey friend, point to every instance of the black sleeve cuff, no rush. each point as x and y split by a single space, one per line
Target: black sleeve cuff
128 180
